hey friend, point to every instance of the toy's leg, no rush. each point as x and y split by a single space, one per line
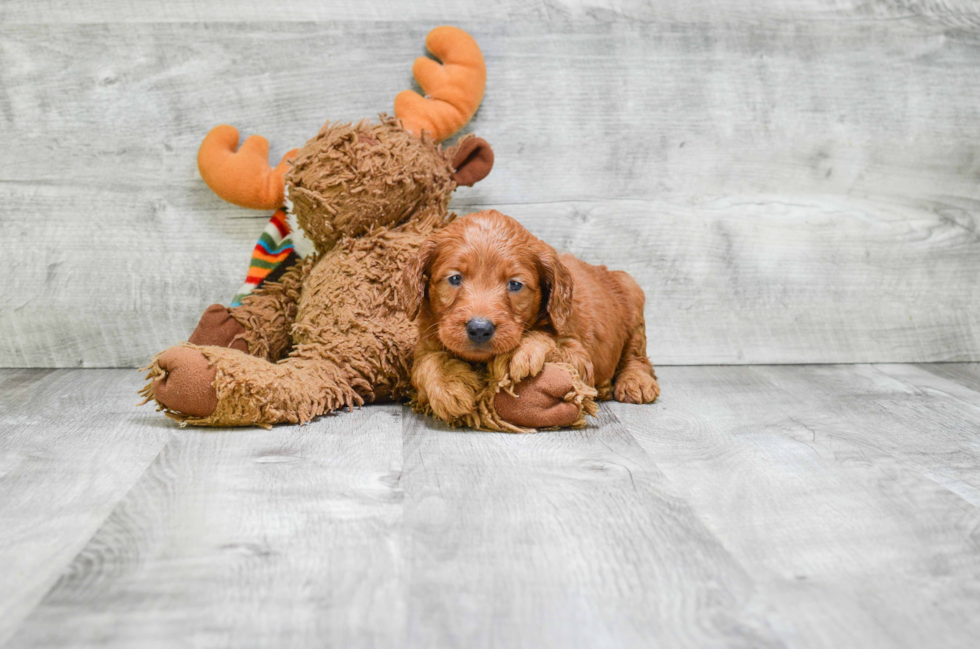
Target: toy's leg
635 381
218 328
215 386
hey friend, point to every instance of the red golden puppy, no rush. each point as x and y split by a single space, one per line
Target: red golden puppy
484 287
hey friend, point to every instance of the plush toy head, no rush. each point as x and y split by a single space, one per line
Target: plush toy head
350 179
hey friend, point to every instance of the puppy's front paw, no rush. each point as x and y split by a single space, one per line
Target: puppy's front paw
636 386
528 359
452 398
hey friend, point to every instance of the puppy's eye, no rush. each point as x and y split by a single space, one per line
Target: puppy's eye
514 286
455 280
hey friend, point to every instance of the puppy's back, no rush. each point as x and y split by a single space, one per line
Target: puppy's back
608 306
611 291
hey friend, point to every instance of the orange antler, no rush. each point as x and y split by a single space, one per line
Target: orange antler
453 89
243 177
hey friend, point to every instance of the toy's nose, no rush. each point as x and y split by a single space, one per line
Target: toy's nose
480 330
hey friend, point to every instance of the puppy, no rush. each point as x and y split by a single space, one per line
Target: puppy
485 290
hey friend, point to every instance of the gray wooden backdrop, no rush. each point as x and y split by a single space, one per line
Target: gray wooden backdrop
791 181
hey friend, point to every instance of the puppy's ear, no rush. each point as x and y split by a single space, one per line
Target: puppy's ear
415 279
557 282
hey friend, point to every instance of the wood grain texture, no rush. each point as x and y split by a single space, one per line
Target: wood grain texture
287 538
566 539
816 506
965 374
789 182
71 447
849 493
961 13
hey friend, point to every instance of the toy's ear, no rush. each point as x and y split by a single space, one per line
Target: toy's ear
472 161
415 279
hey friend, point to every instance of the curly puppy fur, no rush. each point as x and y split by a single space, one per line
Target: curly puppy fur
331 333
532 307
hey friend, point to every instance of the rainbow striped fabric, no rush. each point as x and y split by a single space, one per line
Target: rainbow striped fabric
274 252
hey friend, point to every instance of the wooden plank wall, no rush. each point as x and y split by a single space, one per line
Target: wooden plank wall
790 181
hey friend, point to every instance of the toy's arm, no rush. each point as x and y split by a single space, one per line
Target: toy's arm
267 315
553 398
543 383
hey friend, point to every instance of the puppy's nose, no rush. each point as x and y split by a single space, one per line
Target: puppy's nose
480 330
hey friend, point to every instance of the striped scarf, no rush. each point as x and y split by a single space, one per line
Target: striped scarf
273 254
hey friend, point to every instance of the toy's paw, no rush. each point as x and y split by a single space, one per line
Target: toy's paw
219 329
452 399
540 401
636 386
187 385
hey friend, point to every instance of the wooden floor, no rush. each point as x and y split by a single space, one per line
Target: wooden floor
823 506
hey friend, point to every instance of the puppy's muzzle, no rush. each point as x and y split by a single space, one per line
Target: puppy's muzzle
480 330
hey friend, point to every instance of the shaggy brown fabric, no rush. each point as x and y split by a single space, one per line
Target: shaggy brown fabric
267 315
351 342
466 393
485 383
350 179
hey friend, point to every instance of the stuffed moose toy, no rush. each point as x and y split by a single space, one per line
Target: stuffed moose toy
331 331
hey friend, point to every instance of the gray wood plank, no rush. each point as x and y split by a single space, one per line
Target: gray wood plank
848 495
786 191
932 424
663 110
245 538
965 374
564 539
71 446
959 13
